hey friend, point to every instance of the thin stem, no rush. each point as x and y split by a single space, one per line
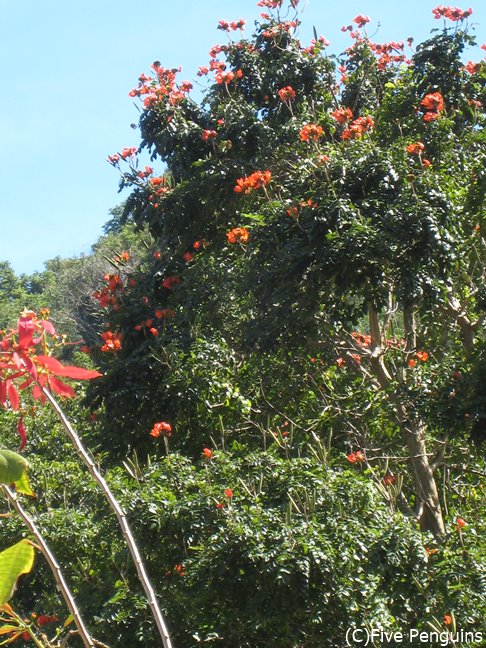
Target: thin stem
53 564
121 517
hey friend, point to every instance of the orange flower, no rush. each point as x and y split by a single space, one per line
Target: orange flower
361 20
355 457
238 235
422 355
416 148
460 523
342 115
162 428
447 619
286 94
112 341
208 453
228 493
254 181
433 101
412 363
208 134
311 131
388 480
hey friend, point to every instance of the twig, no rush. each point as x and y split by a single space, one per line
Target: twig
53 564
121 517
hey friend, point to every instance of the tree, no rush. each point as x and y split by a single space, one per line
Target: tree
346 211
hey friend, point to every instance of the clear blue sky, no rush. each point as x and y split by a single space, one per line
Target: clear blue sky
66 70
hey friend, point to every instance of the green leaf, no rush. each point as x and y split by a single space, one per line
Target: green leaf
12 466
14 562
22 485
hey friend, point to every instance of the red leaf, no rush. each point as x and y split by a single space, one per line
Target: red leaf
37 394
22 434
61 388
68 371
78 373
3 393
50 363
47 326
26 328
13 395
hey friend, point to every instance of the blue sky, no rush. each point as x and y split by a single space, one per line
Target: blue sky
66 70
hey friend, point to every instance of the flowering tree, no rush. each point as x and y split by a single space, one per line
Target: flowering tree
341 204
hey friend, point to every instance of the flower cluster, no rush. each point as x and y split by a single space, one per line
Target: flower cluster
433 105
108 296
452 13
423 356
112 341
416 149
162 88
171 282
310 132
361 339
342 115
225 25
275 31
295 210
238 235
388 53
357 128
286 94
208 135
161 429
355 457
254 181
227 77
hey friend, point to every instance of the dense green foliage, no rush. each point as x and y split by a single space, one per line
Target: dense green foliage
297 294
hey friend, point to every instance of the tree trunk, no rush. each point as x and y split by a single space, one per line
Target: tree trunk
427 508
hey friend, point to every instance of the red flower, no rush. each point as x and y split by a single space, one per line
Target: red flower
171 282
452 13
422 355
162 428
311 131
255 180
433 104
460 523
238 235
208 134
355 457
127 152
361 20
415 148
471 67
180 570
228 493
112 341
388 480
412 363
342 115
208 453
447 619
286 94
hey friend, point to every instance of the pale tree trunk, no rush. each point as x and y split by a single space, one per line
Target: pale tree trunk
428 510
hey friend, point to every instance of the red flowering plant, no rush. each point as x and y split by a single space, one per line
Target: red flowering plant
371 244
